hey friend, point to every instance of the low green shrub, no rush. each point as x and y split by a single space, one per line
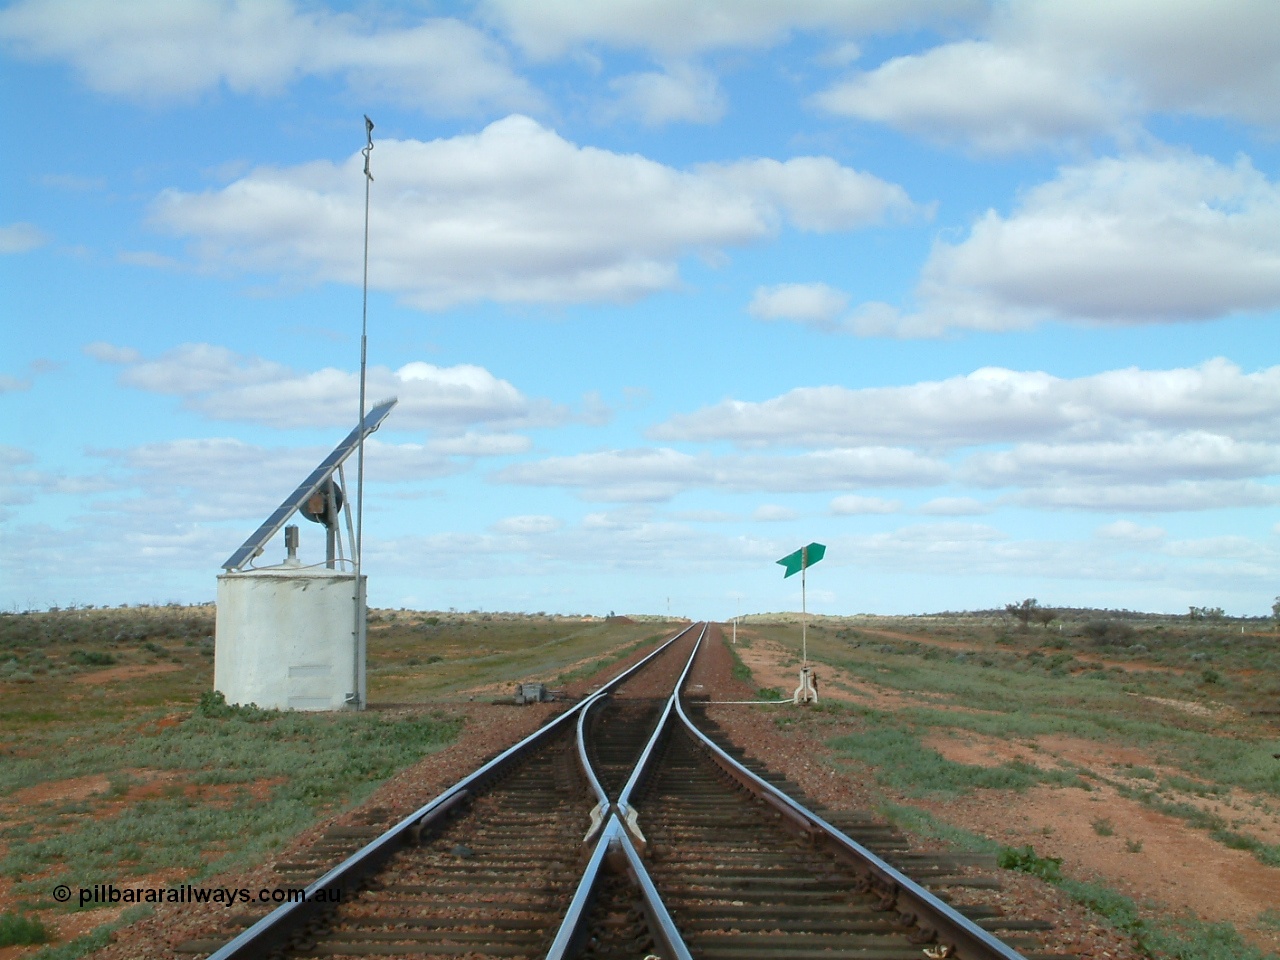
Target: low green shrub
1026 860
21 930
1182 938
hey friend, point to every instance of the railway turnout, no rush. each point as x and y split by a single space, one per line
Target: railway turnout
622 829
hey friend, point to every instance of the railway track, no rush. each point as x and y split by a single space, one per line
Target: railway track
490 867
622 830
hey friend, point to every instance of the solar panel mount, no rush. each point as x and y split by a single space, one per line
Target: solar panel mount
254 546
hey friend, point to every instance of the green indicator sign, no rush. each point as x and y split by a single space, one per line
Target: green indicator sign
802 558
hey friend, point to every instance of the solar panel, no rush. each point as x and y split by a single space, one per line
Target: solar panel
271 526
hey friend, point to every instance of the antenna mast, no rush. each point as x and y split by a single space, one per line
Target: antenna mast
357 548
364 352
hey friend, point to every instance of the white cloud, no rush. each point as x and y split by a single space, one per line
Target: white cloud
404 462
1149 458
653 474
814 304
632 540
206 480
109 353
1211 59
21 480
995 97
1141 239
773 513
1126 531
17 478
10 384
954 507
1131 240
1147 440
191 369
1225 547
638 475
1172 496
852 505
680 27
681 93
482 445
157 51
1045 73
21 237
814 193
514 213
528 525
994 405
224 385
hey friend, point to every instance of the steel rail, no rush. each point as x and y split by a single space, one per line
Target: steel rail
575 917
614 841
642 765
275 928
969 940
610 820
603 804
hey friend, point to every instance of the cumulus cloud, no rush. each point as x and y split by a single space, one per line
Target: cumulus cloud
514 213
1139 239
660 473
681 93
1047 73
813 193
680 27
1202 58
993 97
1129 240
156 52
994 405
1193 438
852 504
814 304
21 237
224 385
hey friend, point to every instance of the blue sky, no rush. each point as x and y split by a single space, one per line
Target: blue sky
984 296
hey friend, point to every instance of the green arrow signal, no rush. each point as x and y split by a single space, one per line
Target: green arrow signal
802 558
